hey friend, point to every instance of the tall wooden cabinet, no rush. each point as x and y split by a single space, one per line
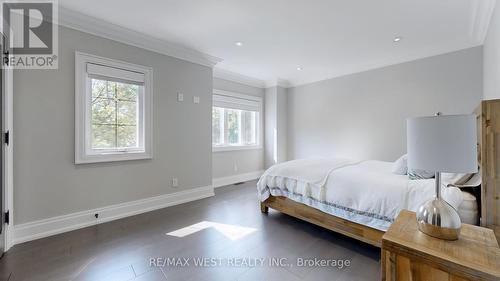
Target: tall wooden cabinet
488 117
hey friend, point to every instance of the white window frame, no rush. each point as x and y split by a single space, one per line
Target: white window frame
260 123
83 153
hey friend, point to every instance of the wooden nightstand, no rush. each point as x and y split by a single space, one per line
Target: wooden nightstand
408 254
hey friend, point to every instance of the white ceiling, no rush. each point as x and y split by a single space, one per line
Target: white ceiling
327 38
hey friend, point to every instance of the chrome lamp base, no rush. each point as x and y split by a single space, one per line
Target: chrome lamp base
437 218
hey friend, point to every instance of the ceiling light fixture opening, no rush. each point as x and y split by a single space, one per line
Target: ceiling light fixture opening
397 39
238 43
299 68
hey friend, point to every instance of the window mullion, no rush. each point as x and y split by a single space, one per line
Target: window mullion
242 132
222 126
243 128
226 128
116 116
256 130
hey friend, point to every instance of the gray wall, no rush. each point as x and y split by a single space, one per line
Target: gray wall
362 116
246 161
281 121
276 123
270 125
48 183
492 58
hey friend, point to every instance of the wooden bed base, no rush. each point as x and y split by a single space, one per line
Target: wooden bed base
357 231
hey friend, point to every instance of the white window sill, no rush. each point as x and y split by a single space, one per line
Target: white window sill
112 157
235 148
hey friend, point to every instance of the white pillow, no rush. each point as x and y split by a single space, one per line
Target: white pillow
462 180
419 174
455 178
400 166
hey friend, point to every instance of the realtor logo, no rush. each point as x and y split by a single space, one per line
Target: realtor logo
30 34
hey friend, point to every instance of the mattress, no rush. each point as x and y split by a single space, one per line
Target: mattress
364 192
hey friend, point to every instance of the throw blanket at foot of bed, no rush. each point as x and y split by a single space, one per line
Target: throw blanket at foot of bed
365 192
306 177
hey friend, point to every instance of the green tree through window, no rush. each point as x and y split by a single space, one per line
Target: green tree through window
233 126
114 117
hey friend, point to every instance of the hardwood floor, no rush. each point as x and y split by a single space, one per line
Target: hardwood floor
234 231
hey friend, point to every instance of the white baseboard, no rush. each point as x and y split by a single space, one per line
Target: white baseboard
55 225
218 182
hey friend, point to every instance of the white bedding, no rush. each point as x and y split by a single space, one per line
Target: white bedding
364 192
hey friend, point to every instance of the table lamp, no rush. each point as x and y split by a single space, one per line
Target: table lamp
441 144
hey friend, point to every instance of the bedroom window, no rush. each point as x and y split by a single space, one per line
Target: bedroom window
235 121
113 110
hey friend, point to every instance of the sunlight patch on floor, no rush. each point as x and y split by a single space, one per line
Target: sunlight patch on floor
233 232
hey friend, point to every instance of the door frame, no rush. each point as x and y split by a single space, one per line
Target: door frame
8 152
7 124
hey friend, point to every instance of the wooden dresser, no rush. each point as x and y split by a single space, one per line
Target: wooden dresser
408 254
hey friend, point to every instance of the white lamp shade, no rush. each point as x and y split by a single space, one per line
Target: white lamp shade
446 143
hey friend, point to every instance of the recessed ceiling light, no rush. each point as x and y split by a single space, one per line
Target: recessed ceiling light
238 43
299 68
397 39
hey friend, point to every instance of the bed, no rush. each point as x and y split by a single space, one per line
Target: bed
364 193
361 199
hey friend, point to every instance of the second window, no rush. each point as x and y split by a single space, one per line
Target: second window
235 121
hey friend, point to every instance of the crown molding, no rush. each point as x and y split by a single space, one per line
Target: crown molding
279 83
283 83
238 78
482 11
98 27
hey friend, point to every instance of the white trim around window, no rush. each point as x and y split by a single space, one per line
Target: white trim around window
237 101
140 78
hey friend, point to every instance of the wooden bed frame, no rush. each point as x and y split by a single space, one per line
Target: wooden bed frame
488 117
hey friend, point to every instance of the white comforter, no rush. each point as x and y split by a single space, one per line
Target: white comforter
364 192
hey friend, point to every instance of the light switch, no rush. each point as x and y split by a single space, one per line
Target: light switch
180 97
196 99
